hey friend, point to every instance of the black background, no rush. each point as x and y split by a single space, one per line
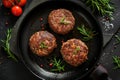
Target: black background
10 70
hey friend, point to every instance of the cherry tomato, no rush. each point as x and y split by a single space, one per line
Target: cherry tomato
8 3
21 2
16 10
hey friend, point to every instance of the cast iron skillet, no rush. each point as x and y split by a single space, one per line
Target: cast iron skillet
30 23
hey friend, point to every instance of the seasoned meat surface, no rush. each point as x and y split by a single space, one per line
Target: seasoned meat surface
42 43
61 21
74 52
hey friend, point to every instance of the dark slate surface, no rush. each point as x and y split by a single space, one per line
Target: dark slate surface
10 70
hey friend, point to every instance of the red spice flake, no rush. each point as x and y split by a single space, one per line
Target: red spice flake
73 32
41 19
41 65
43 28
42 25
63 41
6 23
107 18
115 47
51 64
8 13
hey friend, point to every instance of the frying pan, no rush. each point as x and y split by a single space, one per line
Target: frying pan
29 23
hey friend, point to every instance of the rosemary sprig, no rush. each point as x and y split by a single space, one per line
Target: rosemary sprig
87 33
118 39
102 6
63 21
7 45
116 60
42 45
57 65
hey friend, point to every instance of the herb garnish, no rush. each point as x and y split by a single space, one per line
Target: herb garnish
76 50
116 60
18 0
7 45
57 65
103 6
87 33
63 21
42 45
118 39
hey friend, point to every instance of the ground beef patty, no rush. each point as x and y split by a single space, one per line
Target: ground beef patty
42 43
74 52
61 21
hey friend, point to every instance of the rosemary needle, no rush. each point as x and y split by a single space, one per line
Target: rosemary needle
76 50
116 60
64 21
118 38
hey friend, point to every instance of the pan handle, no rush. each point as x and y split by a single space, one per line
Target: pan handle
100 73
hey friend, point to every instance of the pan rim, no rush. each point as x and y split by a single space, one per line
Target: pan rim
77 2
